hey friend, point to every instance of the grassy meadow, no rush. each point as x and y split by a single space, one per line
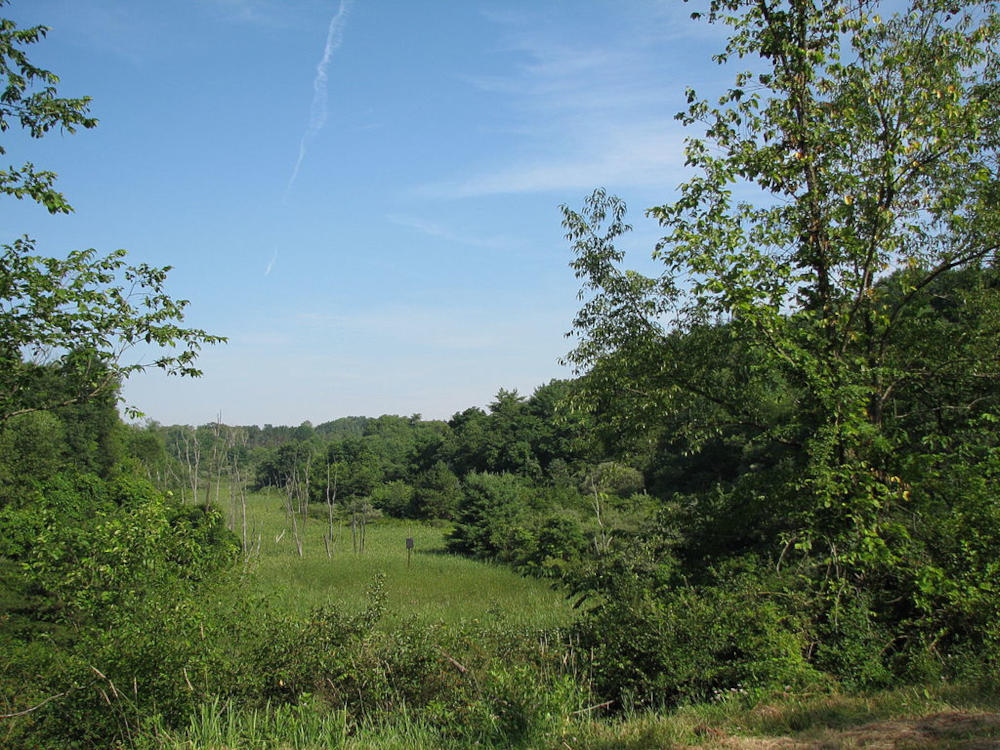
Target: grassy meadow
941 718
431 586
440 588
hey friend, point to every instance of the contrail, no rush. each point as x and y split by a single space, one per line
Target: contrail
270 264
317 112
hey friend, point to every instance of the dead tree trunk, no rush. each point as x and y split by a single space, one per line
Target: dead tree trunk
192 459
291 509
331 499
215 469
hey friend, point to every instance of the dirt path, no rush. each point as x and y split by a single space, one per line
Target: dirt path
953 729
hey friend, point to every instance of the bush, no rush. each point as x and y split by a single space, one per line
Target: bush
690 643
491 517
852 645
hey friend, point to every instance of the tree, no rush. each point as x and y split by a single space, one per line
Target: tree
864 147
394 498
842 186
357 466
88 313
492 517
560 432
30 98
94 314
437 493
87 546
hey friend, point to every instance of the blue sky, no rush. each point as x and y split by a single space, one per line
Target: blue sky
414 262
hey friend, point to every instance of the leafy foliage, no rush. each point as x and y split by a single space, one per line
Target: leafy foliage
825 320
30 98
84 315
86 544
656 647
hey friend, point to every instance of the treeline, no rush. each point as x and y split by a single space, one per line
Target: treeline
538 438
526 481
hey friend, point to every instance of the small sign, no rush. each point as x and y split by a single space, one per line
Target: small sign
409 542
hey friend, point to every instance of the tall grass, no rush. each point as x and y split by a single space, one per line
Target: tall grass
951 717
221 724
429 584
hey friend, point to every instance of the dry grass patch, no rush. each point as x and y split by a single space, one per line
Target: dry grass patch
936 718
953 729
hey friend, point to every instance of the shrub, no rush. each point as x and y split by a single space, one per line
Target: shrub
663 647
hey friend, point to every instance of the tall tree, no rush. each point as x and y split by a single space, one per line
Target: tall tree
837 185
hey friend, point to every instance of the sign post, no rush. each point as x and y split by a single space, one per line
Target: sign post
409 549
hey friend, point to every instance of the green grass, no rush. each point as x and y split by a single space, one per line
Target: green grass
440 588
221 725
942 716
933 718
433 586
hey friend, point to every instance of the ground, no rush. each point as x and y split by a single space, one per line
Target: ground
952 729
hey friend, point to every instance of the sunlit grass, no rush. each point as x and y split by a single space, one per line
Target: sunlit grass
431 585
933 718
221 725
930 717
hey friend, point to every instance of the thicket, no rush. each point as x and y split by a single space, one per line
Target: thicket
825 327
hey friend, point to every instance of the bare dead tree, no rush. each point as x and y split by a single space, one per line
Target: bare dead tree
362 512
331 499
235 439
354 532
602 539
304 495
215 469
291 512
192 461
293 501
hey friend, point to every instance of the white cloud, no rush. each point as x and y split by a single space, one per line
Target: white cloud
256 12
439 231
581 113
637 157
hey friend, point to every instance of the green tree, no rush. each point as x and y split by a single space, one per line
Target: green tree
859 147
94 314
467 444
500 442
561 433
357 466
814 318
30 98
393 498
437 493
89 313
493 518
32 448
